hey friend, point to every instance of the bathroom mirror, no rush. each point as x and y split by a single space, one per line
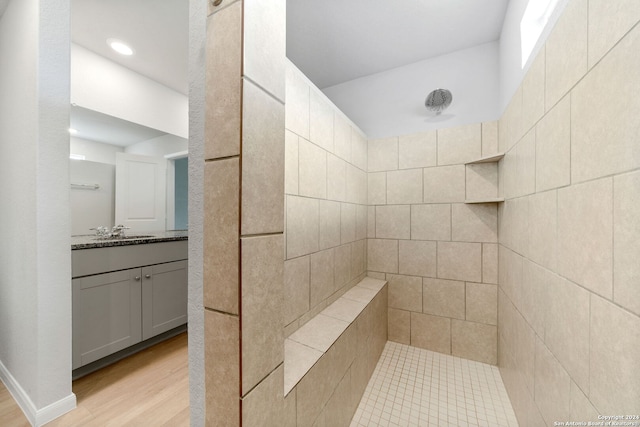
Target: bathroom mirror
105 150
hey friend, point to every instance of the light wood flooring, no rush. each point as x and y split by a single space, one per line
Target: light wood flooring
150 388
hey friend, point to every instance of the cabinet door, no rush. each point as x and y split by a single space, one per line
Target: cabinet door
164 297
106 314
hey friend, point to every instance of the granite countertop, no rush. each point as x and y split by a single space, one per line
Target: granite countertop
90 241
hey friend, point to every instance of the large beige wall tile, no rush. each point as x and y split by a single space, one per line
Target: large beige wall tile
510 274
444 184
526 165
489 138
474 341
481 181
552 385
221 243
580 408
431 222
322 276
321 121
543 211
358 258
482 303
534 295
510 124
262 162
264 405
223 82
614 362
405 292
262 296
553 147
296 288
302 226
566 52
524 350
312 170
382 255
608 23
418 150
567 329
371 222
264 44
604 139
474 222
342 263
393 222
459 144
626 241
460 261
444 298
297 101
361 222
336 178
338 411
383 154
341 137
359 150
399 326
489 263
417 258
222 376
533 92
377 188
585 225
513 224
348 215
328 224
431 332
404 186
290 162
289 415
356 185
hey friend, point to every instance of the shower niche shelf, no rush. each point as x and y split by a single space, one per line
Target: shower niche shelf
482 180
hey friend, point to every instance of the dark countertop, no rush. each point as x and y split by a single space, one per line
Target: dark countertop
90 241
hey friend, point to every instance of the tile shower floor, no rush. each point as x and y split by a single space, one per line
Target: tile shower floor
415 387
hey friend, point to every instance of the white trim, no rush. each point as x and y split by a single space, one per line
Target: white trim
36 417
178 155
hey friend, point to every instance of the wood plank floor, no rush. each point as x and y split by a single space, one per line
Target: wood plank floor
150 388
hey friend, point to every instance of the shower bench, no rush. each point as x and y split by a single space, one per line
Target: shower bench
329 360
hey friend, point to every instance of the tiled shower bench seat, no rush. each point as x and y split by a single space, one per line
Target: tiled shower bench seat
329 360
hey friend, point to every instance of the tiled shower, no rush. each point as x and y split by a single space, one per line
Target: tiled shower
545 284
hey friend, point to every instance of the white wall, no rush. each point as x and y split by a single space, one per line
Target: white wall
158 147
35 272
392 103
102 85
95 151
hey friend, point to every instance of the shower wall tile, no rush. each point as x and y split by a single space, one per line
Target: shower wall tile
608 23
510 124
514 225
377 188
223 82
290 162
431 222
474 222
615 336
474 341
382 255
489 263
417 258
405 292
312 170
533 86
404 186
482 303
459 144
264 44
371 222
358 258
336 178
321 121
431 332
356 185
489 138
383 154
302 226
322 278
460 261
220 263
585 224
543 210
298 94
347 223
359 150
342 263
393 222
264 405
361 222
444 298
328 224
418 150
552 385
262 162
341 137
566 52
626 241
444 184
525 172
296 288
604 140
482 181
399 326
553 147
534 296
580 408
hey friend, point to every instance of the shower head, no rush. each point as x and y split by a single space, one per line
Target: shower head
438 100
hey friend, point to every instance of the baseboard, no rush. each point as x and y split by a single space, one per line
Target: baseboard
36 417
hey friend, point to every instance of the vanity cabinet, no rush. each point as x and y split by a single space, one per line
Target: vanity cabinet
116 309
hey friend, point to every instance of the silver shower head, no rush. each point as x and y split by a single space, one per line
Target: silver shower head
438 100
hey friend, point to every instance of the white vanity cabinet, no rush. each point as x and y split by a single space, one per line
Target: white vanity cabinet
123 295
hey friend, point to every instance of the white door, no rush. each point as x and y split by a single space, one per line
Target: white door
140 192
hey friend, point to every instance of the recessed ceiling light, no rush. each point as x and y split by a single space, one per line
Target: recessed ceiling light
72 131
121 47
